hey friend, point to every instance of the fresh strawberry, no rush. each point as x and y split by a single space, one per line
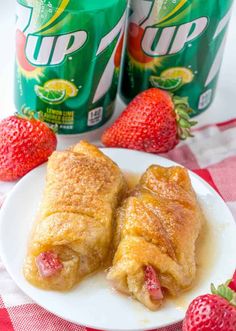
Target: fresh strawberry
153 122
212 312
48 264
232 283
24 144
152 283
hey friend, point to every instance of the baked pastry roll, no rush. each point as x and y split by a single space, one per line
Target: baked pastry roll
157 229
73 231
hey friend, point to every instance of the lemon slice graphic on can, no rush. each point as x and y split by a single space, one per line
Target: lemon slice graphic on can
168 84
178 72
50 96
62 85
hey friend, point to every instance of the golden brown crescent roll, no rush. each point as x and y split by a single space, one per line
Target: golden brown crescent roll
158 225
72 235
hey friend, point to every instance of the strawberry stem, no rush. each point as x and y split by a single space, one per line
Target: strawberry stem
182 110
27 113
225 292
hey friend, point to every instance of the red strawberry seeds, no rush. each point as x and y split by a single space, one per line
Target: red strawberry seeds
210 313
152 122
24 144
213 312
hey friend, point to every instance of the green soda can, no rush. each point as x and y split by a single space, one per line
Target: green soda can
175 45
68 56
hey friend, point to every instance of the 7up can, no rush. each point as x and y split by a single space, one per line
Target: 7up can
68 56
175 45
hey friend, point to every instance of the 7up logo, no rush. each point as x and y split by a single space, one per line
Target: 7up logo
173 39
157 41
46 50
49 50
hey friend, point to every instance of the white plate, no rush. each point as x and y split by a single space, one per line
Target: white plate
93 303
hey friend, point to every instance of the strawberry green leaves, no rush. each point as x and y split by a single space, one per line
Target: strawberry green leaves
225 292
183 111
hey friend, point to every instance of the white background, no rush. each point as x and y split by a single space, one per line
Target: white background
223 108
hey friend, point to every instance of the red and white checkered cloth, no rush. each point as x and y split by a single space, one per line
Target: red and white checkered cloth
211 154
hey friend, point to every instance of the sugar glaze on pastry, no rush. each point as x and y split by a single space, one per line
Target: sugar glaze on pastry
72 234
157 229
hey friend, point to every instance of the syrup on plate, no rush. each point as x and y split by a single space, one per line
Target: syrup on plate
206 254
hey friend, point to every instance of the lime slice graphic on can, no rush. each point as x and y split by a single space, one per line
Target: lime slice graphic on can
178 72
50 96
62 85
169 84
